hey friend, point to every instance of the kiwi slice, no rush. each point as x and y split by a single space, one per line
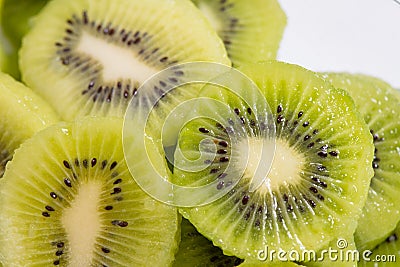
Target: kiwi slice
379 105
251 30
319 178
8 53
386 254
15 18
90 57
23 113
196 250
68 199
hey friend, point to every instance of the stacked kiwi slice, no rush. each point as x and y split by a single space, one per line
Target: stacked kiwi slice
23 113
380 107
319 176
293 160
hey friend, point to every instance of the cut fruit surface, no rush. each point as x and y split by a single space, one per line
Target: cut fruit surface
386 254
380 107
15 20
251 30
196 250
318 180
75 204
22 113
90 57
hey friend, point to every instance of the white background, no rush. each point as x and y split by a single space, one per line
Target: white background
344 35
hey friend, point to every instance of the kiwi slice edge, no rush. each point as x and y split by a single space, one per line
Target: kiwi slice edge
226 227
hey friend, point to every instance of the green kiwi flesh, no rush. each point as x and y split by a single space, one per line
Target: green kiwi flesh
17 16
8 53
379 105
91 56
319 177
386 254
74 203
22 113
196 250
15 19
344 254
251 30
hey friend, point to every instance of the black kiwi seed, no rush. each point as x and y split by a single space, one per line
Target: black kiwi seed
245 199
113 165
313 189
105 250
93 162
119 223
224 159
279 109
56 262
116 190
66 164
333 153
203 130
119 180
53 195
45 214
214 171
220 185
49 208
67 182
222 151
280 119
103 164
392 238
300 114
108 208
323 154
59 252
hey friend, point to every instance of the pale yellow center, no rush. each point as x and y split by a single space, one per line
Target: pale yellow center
270 168
117 62
82 224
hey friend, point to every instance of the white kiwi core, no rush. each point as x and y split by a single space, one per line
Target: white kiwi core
270 168
82 223
117 62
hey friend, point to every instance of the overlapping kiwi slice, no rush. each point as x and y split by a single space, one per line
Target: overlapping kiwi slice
319 178
196 250
91 56
386 254
380 107
15 20
22 113
68 199
251 30
8 53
